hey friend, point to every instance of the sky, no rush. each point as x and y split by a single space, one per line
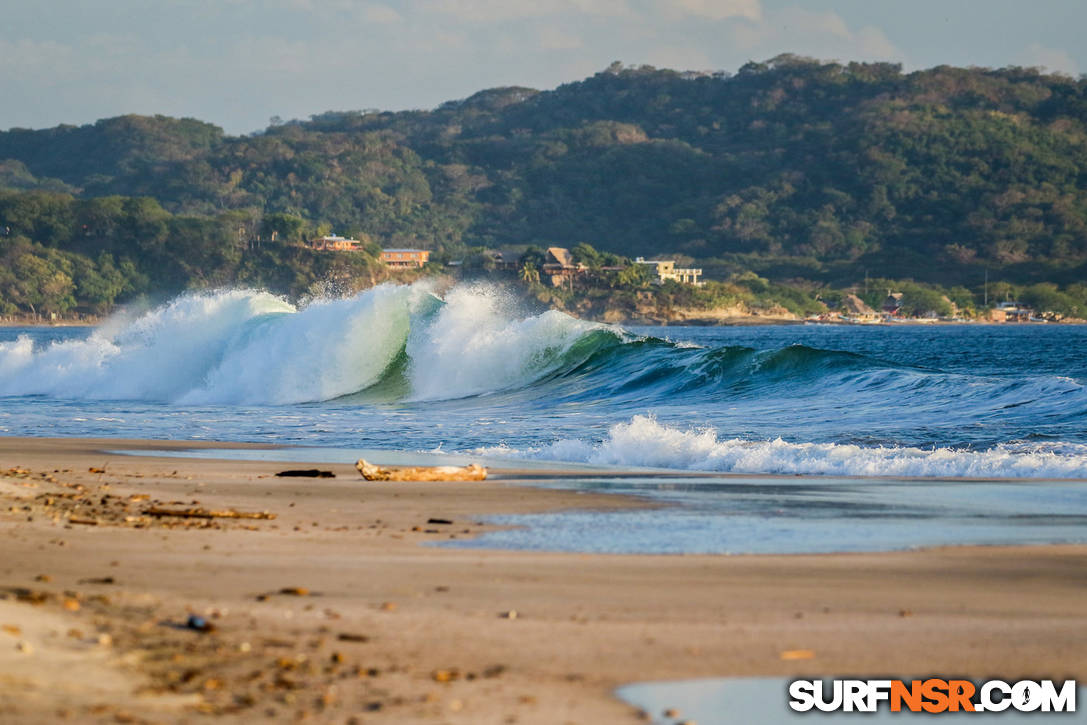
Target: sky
237 63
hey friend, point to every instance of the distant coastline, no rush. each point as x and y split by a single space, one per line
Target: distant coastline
710 320
40 321
723 317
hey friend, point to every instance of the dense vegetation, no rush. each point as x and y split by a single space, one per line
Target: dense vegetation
791 171
59 254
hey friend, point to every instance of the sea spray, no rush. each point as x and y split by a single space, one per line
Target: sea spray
244 347
474 345
160 355
326 350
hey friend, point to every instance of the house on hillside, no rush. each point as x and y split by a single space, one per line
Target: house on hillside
405 257
333 243
560 268
506 258
664 270
892 305
855 308
1011 312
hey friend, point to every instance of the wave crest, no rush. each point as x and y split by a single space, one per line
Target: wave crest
644 442
250 347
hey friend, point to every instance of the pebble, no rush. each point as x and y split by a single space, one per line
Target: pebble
494 671
352 637
295 591
24 647
511 614
797 654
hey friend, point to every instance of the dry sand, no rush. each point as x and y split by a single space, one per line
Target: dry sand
334 610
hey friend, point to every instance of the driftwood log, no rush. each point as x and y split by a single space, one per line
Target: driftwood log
473 472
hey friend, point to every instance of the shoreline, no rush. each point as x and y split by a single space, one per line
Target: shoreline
709 320
30 322
337 608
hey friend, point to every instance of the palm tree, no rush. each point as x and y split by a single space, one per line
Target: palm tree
529 274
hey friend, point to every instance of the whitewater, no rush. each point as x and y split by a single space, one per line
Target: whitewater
473 371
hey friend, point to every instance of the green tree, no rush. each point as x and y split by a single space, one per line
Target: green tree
919 301
633 276
282 227
585 254
529 274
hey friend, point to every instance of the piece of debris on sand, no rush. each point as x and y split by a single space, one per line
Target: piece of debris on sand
472 472
198 513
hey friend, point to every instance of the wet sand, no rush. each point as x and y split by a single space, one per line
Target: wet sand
337 609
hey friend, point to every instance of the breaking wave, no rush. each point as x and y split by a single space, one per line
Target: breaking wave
471 355
644 442
403 343
222 347
249 347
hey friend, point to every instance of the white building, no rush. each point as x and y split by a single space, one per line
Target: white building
664 270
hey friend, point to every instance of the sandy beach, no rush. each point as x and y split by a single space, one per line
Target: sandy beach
337 609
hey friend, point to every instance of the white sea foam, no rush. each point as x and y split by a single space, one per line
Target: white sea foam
474 345
159 355
237 346
328 349
644 442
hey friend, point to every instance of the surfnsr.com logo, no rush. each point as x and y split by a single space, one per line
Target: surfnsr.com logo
932 695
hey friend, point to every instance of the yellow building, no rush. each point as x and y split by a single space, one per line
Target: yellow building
405 257
666 269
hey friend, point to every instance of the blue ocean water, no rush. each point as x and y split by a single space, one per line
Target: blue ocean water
899 436
395 368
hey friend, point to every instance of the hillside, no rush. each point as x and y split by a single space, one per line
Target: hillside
792 168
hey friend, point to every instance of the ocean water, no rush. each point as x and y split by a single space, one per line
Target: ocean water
396 368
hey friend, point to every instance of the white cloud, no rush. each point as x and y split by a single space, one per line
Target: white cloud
31 56
824 35
551 38
680 57
604 8
873 43
381 14
483 11
1054 60
713 9
449 40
